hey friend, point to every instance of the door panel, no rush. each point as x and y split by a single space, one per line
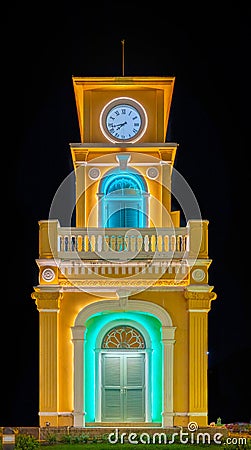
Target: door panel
112 406
134 405
123 387
134 373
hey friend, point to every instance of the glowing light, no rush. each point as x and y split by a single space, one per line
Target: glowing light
94 325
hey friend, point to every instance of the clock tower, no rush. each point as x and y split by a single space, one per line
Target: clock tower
123 296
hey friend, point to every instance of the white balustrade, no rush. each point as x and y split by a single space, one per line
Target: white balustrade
120 243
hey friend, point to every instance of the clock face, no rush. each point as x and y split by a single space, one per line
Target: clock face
123 120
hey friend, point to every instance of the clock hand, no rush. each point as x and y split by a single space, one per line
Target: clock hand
119 125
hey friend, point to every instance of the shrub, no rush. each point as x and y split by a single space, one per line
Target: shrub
26 442
81 438
51 438
66 439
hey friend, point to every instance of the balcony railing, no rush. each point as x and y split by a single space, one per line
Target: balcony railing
117 243
122 243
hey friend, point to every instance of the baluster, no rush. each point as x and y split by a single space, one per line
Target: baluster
146 243
79 243
113 243
127 243
92 243
153 243
106 243
166 243
99 243
185 247
133 244
139 243
120 243
86 243
59 243
159 243
73 243
173 243
66 242
179 243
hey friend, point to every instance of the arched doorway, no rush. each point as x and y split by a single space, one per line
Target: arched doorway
90 327
122 365
123 199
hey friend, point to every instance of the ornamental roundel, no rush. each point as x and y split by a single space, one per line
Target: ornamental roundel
198 275
123 337
48 275
94 173
152 173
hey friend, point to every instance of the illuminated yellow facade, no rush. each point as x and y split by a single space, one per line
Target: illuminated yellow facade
123 296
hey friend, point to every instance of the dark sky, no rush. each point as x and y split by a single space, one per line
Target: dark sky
207 50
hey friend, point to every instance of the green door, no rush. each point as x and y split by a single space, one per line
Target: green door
123 387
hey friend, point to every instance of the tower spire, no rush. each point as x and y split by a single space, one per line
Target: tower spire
123 57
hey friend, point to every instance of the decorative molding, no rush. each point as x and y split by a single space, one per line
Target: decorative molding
47 301
47 296
152 173
190 295
199 288
94 173
48 275
78 333
123 282
133 305
123 159
198 275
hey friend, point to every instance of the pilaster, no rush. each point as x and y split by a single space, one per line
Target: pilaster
166 188
78 334
81 195
168 354
48 305
198 306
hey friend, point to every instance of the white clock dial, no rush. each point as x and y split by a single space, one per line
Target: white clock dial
123 120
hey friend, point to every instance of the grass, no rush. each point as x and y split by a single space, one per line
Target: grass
126 446
107 446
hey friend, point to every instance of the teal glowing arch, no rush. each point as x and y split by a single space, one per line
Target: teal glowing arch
94 327
123 199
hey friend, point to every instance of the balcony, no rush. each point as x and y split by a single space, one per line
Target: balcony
123 244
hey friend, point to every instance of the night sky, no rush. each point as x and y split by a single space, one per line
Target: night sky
207 50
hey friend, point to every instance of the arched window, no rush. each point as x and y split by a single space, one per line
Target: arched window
123 200
123 336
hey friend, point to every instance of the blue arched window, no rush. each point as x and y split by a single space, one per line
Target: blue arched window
123 199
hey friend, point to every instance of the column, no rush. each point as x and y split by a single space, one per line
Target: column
166 194
198 238
166 187
198 306
81 195
78 334
168 356
48 305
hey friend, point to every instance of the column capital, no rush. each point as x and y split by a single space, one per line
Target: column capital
47 301
199 300
78 333
168 334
